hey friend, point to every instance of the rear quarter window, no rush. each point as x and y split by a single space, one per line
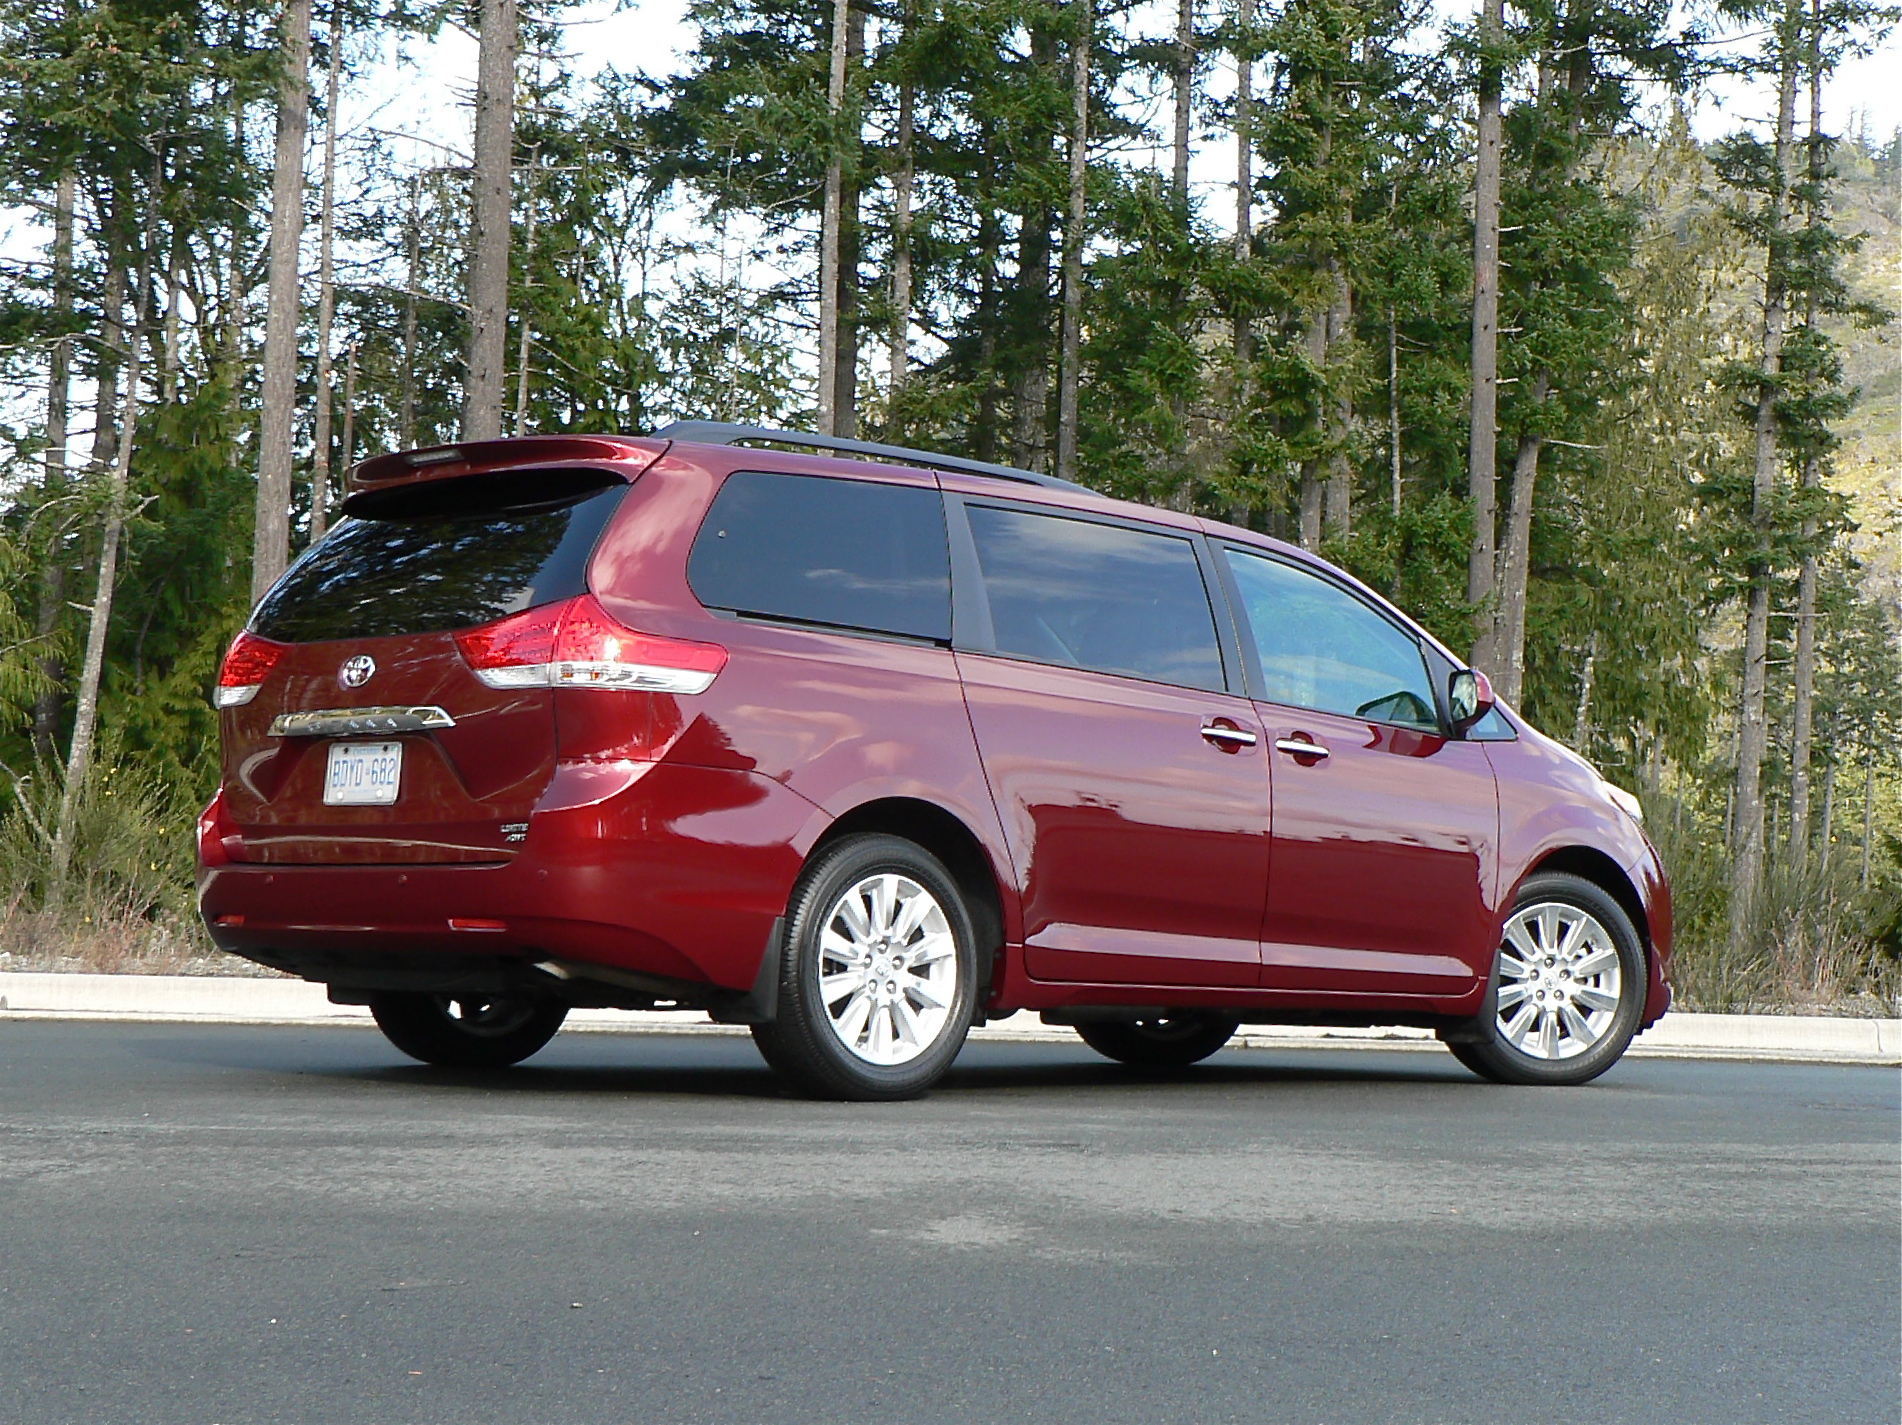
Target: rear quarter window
851 554
445 555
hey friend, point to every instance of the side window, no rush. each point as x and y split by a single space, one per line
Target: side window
1322 648
1492 728
849 553
1097 596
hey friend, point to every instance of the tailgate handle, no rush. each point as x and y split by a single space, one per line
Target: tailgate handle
334 722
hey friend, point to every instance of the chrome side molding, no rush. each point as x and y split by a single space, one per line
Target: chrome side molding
342 722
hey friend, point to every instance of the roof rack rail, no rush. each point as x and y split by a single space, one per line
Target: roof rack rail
721 433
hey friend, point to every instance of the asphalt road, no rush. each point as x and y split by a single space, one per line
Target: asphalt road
225 1225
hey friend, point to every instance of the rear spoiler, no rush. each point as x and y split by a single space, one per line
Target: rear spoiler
437 462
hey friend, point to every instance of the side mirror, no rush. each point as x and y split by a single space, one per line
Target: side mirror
1470 696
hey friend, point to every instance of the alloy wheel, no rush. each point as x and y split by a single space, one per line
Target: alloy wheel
888 969
1560 981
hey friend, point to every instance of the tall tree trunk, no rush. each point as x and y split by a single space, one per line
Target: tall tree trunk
99 616
1070 370
1803 699
830 219
1030 389
1244 166
105 428
845 384
1314 341
1868 815
1803 693
1340 478
169 335
491 211
1515 560
271 543
985 433
232 312
1184 98
1393 403
900 336
326 285
1484 433
1582 719
347 449
1028 300
59 380
524 348
406 407
1752 732
1829 811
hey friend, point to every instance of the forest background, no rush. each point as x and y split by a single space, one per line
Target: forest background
1473 313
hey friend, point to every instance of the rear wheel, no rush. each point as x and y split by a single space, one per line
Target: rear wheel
1168 1041
878 975
1571 987
467 1031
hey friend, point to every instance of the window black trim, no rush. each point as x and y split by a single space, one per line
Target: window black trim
806 625
1251 655
973 632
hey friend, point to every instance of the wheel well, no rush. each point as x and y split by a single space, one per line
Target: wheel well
1608 876
952 842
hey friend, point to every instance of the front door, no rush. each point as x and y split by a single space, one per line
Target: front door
1132 785
1385 829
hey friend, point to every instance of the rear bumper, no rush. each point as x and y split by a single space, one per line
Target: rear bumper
669 875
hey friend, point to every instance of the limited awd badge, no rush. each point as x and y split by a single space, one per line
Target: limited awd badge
357 671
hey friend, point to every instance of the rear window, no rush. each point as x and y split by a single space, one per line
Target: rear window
445 555
845 553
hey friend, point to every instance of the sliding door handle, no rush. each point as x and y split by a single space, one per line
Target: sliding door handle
1231 737
1299 747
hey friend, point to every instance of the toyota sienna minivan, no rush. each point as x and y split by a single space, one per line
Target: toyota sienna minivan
860 746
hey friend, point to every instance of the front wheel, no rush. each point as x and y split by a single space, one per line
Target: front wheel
1170 1041
1571 986
467 1031
878 974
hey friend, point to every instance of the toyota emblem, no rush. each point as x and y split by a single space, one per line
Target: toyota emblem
357 671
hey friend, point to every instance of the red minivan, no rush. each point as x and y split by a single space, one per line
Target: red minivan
865 746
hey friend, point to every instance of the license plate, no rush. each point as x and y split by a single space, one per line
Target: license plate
363 774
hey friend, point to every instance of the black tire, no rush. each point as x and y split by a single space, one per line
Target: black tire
1498 1059
802 1042
1171 1041
467 1031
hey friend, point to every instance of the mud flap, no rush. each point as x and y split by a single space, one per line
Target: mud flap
1478 1029
759 1005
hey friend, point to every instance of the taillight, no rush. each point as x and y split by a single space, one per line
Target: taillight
245 668
515 652
577 645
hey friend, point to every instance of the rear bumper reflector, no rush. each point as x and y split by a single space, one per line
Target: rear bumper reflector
464 923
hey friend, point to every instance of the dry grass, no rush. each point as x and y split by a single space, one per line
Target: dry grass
115 945
1814 943
129 905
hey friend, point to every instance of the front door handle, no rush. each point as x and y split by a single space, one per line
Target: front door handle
1229 736
1299 747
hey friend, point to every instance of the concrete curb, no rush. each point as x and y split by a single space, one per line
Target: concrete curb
240 1000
